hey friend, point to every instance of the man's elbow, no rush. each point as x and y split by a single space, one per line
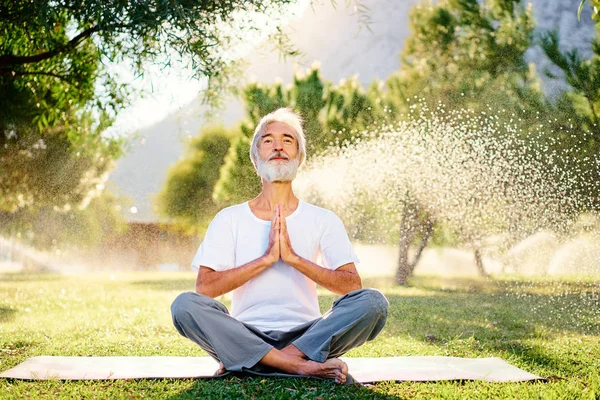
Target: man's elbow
353 284
357 284
200 290
205 282
207 293
204 289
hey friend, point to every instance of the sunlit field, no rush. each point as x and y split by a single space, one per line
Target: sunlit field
547 327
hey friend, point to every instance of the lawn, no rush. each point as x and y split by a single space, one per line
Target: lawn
548 327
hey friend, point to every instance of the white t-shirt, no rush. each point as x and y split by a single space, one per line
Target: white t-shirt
280 297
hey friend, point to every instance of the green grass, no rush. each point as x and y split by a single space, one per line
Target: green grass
550 328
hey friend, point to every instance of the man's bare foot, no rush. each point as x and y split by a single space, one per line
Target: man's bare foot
221 369
333 368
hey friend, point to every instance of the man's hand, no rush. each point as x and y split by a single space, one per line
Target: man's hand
342 280
213 283
287 252
273 250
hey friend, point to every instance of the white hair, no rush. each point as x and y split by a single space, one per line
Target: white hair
288 117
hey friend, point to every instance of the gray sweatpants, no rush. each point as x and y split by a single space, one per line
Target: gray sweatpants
353 319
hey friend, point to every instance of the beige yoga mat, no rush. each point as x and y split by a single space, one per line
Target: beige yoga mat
365 370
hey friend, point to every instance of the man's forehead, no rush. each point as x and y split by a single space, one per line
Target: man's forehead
279 128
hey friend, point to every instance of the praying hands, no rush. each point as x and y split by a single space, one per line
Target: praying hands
280 245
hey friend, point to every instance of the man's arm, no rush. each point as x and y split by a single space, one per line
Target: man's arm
213 283
340 281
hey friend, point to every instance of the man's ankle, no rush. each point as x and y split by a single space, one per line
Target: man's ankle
292 350
306 367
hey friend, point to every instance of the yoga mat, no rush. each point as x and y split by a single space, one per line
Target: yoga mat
365 370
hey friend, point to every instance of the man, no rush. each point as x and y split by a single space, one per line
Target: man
265 251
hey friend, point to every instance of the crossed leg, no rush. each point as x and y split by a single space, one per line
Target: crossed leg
354 318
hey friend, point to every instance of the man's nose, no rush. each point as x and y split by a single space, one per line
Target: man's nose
277 145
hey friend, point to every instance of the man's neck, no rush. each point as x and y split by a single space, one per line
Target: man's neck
274 193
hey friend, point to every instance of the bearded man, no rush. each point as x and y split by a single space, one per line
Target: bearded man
266 252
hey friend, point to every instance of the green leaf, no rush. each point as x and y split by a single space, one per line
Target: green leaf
579 10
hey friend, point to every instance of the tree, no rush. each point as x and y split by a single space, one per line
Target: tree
186 198
463 55
56 96
52 152
51 65
37 40
468 55
238 180
579 135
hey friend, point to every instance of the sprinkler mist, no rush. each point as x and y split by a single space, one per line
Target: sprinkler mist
489 184
467 180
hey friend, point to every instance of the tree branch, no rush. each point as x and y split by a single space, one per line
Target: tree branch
426 234
6 71
9 59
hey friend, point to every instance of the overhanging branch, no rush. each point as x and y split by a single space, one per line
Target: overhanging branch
9 59
6 71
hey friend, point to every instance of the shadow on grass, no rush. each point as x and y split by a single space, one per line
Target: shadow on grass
275 388
182 285
533 355
7 314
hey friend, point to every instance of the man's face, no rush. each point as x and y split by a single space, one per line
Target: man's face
278 153
278 137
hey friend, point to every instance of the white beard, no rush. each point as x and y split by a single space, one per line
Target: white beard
278 171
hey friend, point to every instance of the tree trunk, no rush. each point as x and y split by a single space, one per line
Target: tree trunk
427 231
479 263
409 229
